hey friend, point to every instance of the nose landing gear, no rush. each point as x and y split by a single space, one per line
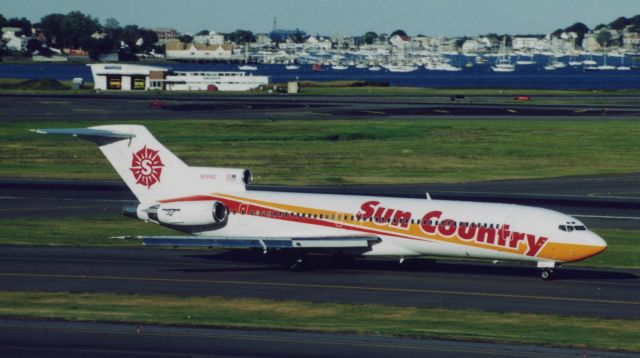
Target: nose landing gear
547 274
547 269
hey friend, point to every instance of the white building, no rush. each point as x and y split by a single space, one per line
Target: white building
177 50
263 40
213 38
529 43
314 43
10 32
402 42
125 77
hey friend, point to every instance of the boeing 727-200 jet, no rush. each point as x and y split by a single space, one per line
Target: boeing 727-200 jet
214 208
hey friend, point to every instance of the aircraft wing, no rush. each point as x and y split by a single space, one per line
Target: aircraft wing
266 243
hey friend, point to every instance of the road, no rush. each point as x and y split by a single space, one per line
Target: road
74 339
602 293
137 107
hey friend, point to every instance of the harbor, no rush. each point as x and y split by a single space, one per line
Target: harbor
479 75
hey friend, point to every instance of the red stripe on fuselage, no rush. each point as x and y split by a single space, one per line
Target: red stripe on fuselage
235 206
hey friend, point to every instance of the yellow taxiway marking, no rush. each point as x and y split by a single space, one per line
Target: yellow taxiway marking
54 102
325 286
512 110
374 112
440 111
508 352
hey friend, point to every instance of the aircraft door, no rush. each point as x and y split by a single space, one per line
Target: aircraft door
243 212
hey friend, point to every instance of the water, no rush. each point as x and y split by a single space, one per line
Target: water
478 76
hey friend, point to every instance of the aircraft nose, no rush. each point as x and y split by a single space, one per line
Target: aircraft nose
598 243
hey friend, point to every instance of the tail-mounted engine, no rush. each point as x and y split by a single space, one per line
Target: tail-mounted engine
188 216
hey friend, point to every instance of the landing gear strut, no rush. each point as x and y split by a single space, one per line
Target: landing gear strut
547 274
298 263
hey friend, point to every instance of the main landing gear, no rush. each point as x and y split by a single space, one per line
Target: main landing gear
298 262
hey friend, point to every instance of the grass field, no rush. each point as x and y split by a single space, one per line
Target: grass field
299 152
623 251
579 332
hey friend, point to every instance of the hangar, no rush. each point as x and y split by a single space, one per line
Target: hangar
127 77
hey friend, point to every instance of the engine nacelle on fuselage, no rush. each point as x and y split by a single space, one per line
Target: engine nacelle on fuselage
183 215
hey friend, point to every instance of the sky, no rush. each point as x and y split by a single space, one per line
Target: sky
347 17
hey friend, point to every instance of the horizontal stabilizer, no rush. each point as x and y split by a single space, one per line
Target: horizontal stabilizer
96 135
330 242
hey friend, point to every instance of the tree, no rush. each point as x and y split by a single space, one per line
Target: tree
600 27
149 39
111 23
22 23
580 29
604 38
185 38
202 33
557 33
130 36
33 45
241 36
3 21
370 37
399 33
50 25
76 29
619 23
98 47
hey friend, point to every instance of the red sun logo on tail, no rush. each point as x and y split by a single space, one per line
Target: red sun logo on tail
146 166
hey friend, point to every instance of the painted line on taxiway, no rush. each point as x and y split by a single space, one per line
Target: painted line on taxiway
323 286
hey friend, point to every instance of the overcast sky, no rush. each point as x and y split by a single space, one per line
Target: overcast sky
348 17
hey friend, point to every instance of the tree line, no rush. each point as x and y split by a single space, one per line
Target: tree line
76 30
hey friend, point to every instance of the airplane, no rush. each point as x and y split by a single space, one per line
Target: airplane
214 208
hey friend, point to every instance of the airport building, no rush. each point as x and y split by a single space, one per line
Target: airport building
125 77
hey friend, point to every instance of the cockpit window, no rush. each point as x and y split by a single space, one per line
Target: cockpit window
570 228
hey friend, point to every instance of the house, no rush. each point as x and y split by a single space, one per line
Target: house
178 50
16 43
263 40
472 46
631 40
165 34
317 43
10 32
400 41
212 38
529 42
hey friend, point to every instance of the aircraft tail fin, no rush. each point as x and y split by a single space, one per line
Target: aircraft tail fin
149 169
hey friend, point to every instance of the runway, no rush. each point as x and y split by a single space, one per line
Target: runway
73 339
603 293
121 107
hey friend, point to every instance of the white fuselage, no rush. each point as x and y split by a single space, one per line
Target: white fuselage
410 227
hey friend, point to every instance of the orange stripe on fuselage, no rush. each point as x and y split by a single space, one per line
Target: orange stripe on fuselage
553 251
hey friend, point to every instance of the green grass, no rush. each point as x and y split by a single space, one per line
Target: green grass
623 250
78 231
297 152
578 332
